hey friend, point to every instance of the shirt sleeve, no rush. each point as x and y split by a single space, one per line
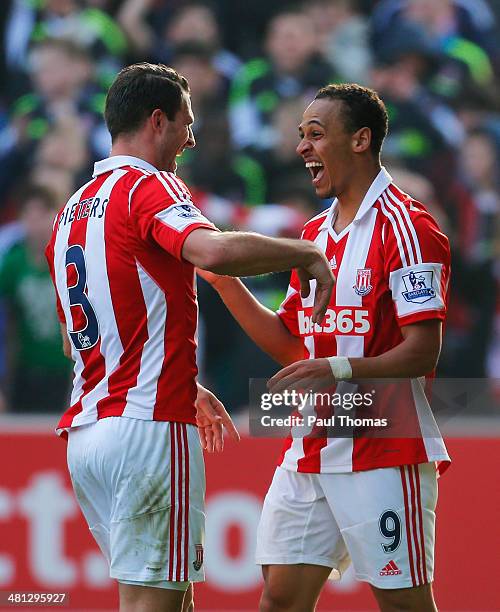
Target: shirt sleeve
287 311
49 255
162 211
417 265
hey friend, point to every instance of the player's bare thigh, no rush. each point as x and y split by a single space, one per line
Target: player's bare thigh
292 588
415 599
296 588
150 599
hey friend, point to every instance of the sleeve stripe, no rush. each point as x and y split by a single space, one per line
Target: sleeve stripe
398 215
402 227
390 216
175 197
174 184
131 192
181 186
409 223
167 177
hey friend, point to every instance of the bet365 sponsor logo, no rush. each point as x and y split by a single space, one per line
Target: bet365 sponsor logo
348 321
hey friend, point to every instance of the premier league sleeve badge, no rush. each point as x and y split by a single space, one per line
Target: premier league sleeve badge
419 286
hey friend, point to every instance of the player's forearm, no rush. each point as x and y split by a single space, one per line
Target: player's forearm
262 325
406 360
247 254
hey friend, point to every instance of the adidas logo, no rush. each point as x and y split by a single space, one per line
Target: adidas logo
333 263
391 569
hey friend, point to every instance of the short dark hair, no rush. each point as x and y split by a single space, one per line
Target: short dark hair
362 108
137 91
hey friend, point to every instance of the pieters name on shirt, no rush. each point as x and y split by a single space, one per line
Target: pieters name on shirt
311 420
88 208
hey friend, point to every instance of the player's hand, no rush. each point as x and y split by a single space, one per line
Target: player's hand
307 374
212 418
216 280
318 269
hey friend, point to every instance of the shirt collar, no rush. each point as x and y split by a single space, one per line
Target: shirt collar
118 161
379 185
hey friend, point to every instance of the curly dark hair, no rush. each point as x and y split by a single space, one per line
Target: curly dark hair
136 92
362 108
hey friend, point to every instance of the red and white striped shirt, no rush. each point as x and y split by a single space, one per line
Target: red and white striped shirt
392 265
125 294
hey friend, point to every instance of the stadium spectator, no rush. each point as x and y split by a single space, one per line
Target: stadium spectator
194 22
280 164
424 130
57 179
62 158
423 191
38 375
477 223
291 67
198 22
480 169
65 147
63 90
472 20
213 166
343 32
210 86
80 21
217 168
462 31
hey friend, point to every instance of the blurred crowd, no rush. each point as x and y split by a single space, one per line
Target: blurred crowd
252 69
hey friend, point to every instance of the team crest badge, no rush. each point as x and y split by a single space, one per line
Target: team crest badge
198 562
419 286
363 278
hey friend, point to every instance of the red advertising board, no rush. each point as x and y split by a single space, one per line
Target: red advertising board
45 545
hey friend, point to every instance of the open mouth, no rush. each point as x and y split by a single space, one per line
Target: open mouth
317 170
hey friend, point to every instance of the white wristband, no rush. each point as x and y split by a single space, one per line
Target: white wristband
341 367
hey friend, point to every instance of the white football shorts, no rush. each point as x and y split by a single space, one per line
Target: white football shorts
141 487
380 520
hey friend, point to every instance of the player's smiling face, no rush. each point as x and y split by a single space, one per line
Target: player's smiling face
178 134
326 147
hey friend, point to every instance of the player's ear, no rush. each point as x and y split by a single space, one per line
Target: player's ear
361 140
157 119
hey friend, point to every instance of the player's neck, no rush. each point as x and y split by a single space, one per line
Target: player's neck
134 148
350 199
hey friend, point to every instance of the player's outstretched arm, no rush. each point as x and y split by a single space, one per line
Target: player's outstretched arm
247 254
262 325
